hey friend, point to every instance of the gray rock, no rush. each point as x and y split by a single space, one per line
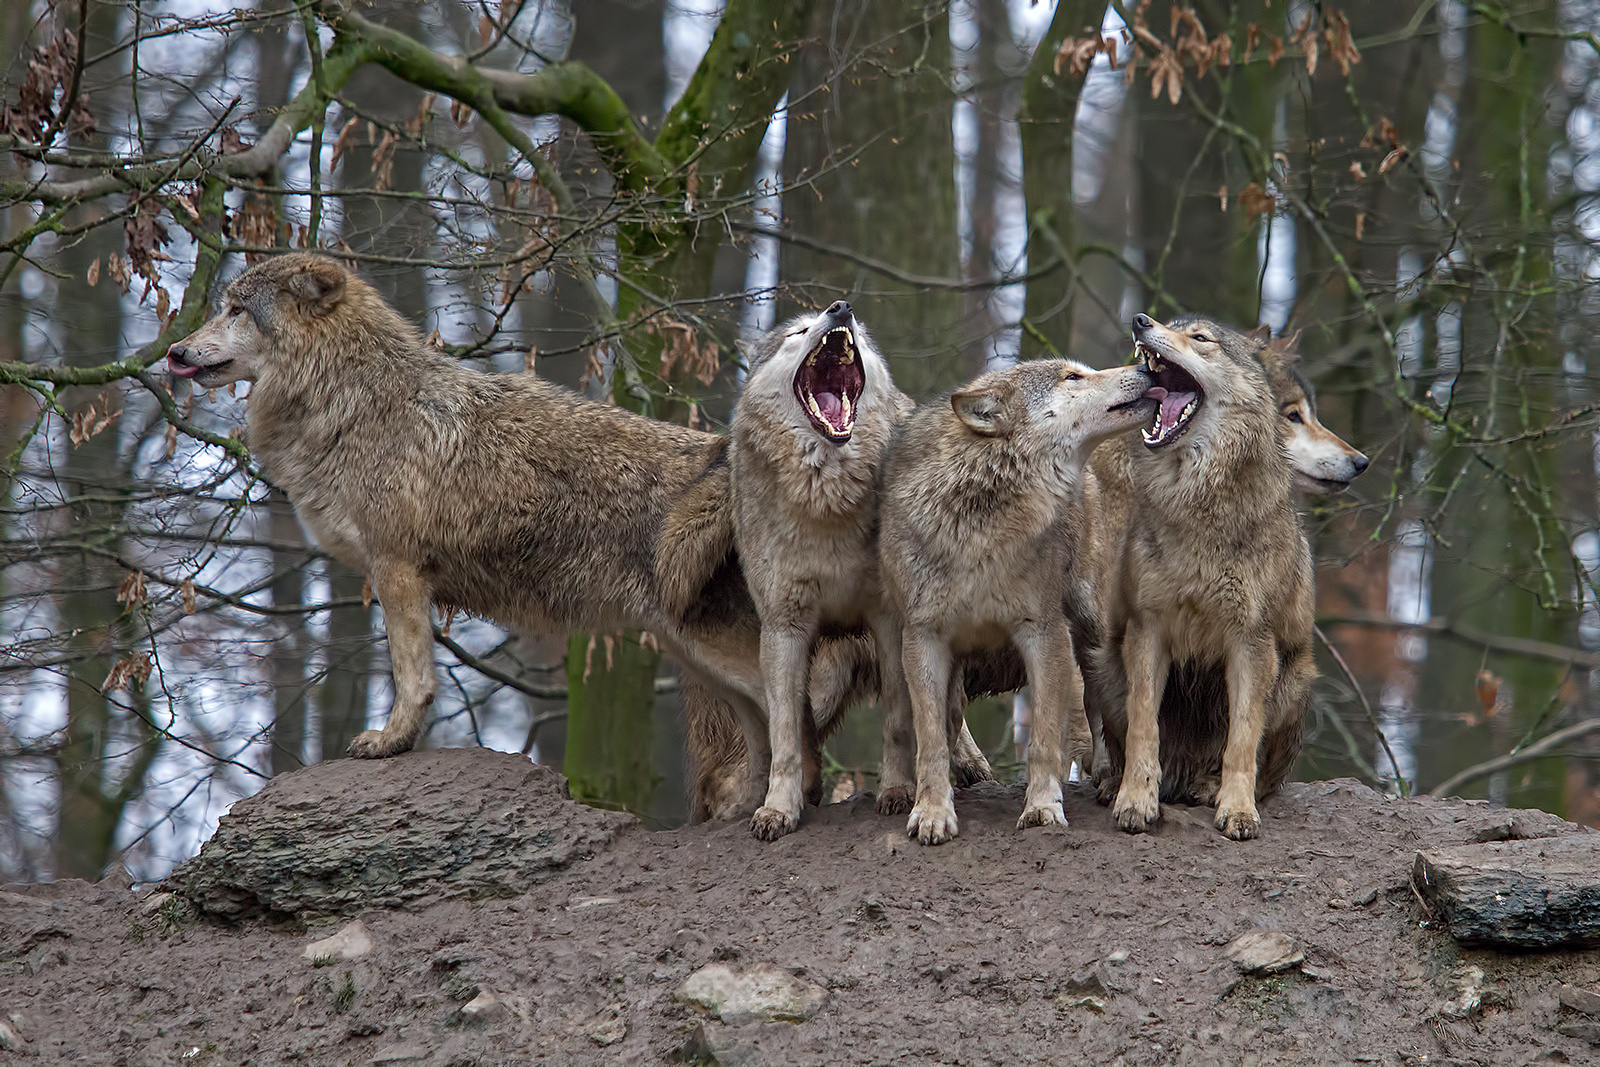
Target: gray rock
485 1007
350 943
1584 1031
1466 981
755 994
348 836
1264 952
10 1040
1578 998
1537 894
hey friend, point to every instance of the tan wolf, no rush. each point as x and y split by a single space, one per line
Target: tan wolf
502 495
1322 461
1209 591
983 507
808 430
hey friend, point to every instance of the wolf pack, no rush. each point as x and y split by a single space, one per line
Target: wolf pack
1124 543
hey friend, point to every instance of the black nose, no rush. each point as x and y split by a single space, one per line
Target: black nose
839 309
179 353
1360 462
1143 321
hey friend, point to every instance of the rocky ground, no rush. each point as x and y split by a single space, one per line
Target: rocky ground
454 908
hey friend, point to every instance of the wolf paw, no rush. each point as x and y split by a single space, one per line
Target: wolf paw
971 772
375 744
1241 825
1136 814
895 800
932 824
1042 815
1107 788
769 824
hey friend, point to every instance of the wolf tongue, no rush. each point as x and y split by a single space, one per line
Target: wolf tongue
1172 405
830 406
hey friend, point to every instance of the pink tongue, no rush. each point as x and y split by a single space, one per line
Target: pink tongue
831 408
181 370
1172 405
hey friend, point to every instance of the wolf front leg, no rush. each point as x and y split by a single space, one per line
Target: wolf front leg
968 764
406 601
1252 667
927 661
785 663
1057 711
896 776
1145 661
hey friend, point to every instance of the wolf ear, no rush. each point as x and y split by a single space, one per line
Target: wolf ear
318 286
1288 348
1261 334
983 410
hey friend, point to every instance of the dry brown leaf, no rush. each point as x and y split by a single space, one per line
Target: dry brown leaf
131 591
1361 224
1252 37
346 137
1311 54
1275 50
1488 688
163 303
485 31
172 440
1393 158
366 593
128 673
1357 171
1341 45
186 591
1256 201
93 277
1222 196
1165 69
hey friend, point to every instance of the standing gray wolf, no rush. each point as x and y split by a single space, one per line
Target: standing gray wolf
982 510
817 408
1209 591
502 495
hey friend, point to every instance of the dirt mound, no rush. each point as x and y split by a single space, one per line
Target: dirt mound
346 836
1002 947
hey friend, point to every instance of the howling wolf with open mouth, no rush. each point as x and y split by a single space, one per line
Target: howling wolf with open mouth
818 406
1210 589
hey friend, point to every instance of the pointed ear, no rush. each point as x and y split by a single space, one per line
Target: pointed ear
983 410
318 286
1289 347
1261 334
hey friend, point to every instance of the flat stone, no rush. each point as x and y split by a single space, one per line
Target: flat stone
755 994
1529 894
1578 998
400 1054
1467 982
350 835
710 1043
1264 952
350 943
10 1040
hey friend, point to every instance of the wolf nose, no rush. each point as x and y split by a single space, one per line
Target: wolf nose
178 354
839 309
1360 462
1143 321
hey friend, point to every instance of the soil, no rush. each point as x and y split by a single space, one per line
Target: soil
1002 947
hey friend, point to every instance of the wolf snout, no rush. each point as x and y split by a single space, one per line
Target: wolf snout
1143 321
839 309
181 361
1359 461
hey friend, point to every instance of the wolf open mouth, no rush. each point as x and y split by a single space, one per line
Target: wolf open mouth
829 383
1176 393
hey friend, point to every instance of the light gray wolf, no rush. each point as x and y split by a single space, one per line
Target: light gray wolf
982 511
1322 461
1207 590
504 496
808 430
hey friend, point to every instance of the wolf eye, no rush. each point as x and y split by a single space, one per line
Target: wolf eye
1072 376
235 310
1203 338
1293 416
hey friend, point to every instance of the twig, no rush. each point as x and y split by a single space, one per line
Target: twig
1538 750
